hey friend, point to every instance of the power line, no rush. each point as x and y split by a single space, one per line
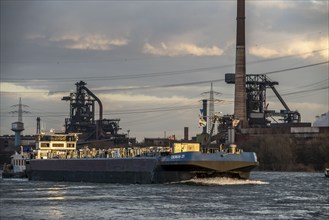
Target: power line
153 74
311 85
124 112
296 68
124 76
174 85
304 91
203 82
155 110
134 111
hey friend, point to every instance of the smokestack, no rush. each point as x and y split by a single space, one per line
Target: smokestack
240 109
185 133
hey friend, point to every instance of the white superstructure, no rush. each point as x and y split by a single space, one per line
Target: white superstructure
55 145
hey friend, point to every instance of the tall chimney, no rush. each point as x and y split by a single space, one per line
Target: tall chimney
185 133
240 109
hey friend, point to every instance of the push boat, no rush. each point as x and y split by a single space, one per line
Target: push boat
17 166
57 159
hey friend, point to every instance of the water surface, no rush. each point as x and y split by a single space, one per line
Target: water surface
267 195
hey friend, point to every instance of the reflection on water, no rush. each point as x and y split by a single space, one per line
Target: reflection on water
267 195
53 212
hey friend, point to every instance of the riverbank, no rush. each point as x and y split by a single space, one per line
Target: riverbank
283 153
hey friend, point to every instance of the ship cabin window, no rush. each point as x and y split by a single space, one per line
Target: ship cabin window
70 145
19 162
71 138
44 144
44 138
58 145
58 138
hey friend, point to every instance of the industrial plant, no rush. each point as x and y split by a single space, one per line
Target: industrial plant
82 118
251 117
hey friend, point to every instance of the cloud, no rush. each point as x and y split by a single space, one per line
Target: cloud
145 99
181 49
10 88
263 52
274 4
320 5
81 42
302 47
27 92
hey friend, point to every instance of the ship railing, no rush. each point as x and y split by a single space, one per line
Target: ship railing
86 152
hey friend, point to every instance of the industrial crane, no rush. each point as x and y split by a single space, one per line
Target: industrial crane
257 112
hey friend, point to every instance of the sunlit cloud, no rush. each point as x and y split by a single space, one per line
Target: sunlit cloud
10 87
82 42
263 52
295 47
181 49
320 5
317 5
90 42
26 91
145 99
281 4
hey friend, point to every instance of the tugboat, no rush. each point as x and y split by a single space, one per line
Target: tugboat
17 166
326 172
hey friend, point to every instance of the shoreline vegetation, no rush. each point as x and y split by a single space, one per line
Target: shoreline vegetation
283 153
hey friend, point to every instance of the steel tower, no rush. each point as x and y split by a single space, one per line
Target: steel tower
18 126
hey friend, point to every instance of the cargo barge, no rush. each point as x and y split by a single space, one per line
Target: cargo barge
57 159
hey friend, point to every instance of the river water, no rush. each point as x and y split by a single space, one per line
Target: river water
267 195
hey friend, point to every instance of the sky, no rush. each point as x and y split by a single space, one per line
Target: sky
151 62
